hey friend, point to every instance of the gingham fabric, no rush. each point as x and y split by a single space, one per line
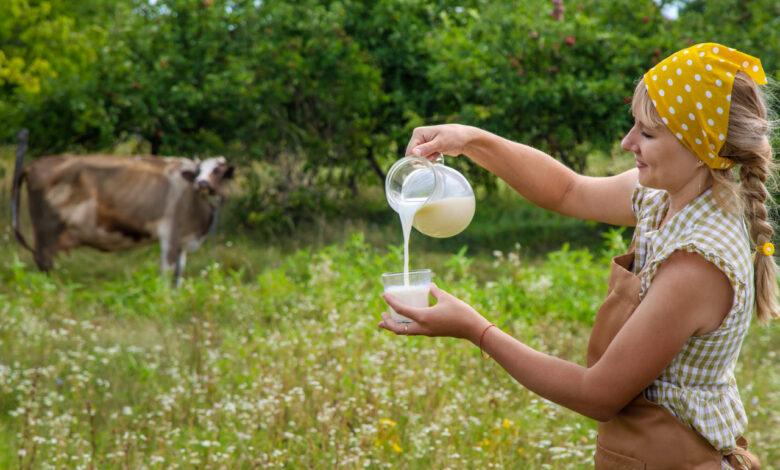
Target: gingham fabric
699 387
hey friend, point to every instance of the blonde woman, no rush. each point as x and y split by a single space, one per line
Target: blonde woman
661 357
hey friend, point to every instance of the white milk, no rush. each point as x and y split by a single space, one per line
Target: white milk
445 218
414 296
406 210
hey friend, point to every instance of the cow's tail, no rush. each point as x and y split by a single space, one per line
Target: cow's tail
19 175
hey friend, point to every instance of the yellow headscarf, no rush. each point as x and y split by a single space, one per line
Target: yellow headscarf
691 90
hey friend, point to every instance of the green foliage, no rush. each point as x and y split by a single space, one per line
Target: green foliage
752 27
396 34
319 97
567 286
558 83
41 46
286 368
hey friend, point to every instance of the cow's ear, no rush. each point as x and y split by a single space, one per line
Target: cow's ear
188 175
229 172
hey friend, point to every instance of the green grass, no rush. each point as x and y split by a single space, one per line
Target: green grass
269 356
285 367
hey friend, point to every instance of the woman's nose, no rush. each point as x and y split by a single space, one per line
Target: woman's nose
628 142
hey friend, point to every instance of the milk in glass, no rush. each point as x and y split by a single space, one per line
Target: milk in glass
412 295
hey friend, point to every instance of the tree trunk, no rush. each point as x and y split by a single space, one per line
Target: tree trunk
375 165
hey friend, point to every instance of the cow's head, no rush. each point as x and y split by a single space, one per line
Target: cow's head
210 175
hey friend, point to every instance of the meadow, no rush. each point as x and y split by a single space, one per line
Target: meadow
269 355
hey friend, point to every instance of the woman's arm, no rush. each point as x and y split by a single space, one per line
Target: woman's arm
535 175
689 296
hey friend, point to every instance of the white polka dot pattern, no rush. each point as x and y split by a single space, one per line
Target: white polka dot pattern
696 97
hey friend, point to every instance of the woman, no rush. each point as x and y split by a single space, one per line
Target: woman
664 343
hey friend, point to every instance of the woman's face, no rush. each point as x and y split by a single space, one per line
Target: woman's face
662 160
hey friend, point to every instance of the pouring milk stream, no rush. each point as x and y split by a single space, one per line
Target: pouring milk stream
436 200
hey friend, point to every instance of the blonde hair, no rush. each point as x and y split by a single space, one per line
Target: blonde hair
748 144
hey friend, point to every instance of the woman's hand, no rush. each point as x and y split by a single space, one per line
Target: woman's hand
431 141
449 317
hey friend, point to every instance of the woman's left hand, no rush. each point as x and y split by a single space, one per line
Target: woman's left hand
449 317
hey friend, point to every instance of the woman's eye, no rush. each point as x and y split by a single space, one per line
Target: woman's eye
646 135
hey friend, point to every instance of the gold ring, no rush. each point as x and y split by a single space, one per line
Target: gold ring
406 329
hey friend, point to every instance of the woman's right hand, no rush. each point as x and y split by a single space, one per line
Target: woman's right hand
432 141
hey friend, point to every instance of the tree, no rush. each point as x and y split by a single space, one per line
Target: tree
41 43
557 79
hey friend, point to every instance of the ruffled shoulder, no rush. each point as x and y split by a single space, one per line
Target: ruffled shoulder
647 201
720 237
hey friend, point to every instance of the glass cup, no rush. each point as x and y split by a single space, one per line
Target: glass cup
414 293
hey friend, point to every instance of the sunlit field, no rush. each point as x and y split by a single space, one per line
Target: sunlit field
269 356
288 369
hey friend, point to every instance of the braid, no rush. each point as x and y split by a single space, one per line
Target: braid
755 194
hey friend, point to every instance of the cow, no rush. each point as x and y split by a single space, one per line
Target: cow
114 203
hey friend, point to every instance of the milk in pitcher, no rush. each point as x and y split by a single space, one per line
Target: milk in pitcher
445 218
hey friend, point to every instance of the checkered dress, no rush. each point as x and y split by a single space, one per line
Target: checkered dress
699 387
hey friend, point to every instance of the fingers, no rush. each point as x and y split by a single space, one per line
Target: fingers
403 329
426 143
418 137
436 292
429 150
412 313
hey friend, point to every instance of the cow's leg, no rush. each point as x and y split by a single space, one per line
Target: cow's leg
165 249
47 227
179 267
46 248
171 259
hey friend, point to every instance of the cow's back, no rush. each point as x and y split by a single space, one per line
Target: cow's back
108 202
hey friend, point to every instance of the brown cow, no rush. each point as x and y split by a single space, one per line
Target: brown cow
113 203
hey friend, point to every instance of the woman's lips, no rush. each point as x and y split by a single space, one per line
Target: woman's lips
640 164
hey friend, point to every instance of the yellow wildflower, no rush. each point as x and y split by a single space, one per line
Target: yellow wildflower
397 448
388 422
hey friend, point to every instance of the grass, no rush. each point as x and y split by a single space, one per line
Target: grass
268 356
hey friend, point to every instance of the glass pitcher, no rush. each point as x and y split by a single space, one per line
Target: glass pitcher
440 197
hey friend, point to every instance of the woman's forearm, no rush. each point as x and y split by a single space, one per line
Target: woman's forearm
557 380
535 175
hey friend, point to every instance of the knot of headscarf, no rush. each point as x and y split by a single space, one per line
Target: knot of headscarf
691 91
